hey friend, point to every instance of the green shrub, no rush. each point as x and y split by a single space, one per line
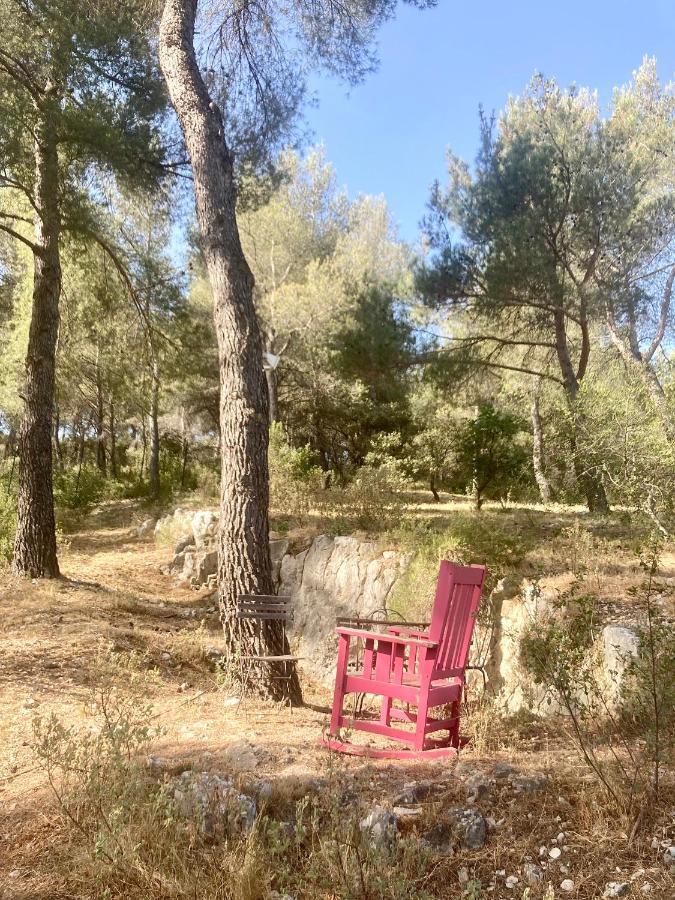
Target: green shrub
7 524
295 477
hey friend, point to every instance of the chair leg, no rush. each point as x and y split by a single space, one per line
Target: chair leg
454 730
422 709
338 694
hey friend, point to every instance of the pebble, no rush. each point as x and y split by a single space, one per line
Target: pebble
183 687
511 881
567 885
463 875
616 889
555 852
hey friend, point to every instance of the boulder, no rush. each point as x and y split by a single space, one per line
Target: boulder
212 803
204 527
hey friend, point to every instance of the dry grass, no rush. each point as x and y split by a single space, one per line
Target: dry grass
113 600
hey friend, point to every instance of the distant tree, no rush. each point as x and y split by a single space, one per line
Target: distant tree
566 227
77 91
488 458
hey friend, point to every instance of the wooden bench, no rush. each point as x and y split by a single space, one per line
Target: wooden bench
265 608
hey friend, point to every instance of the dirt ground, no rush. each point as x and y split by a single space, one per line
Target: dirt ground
112 598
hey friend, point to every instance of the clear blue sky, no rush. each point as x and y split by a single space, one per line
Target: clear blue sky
389 135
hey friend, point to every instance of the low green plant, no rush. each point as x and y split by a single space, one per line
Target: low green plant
7 524
624 740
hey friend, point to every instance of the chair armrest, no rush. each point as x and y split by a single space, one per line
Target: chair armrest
386 638
408 632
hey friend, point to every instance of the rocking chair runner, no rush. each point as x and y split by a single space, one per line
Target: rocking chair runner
423 669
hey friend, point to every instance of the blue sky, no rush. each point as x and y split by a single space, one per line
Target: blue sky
389 135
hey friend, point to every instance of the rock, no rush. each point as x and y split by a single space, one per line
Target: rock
555 852
567 885
530 784
184 686
463 875
199 566
382 827
204 526
145 528
503 770
212 803
476 786
471 828
335 576
616 889
511 881
30 703
403 812
439 839
532 874
669 859
241 757
620 646
413 793
183 543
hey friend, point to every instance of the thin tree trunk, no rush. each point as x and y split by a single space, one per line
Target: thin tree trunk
587 479
432 488
185 447
153 466
113 442
271 379
538 447
35 543
100 415
244 562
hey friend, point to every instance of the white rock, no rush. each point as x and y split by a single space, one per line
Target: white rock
511 881
616 889
567 885
555 852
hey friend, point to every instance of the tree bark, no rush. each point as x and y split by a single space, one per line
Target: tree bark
538 447
588 480
244 563
271 379
113 442
100 416
153 464
35 544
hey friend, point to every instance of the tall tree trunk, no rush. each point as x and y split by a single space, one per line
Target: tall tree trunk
538 447
588 480
100 416
35 543
185 447
153 465
244 563
113 442
271 379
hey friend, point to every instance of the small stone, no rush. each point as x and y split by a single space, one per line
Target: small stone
564 869
166 656
567 885
407 812
543 851
616 889
381 825
30 703
476 786
646 888
183 687
561 837
412 793
463 875
530 784
555 852
532 873
511 881
669 859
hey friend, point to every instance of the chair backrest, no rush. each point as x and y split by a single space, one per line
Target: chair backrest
263 606
452 620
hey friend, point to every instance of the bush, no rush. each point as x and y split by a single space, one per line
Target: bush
295 477
7 524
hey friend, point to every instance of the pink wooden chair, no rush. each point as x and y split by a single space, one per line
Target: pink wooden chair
421 669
